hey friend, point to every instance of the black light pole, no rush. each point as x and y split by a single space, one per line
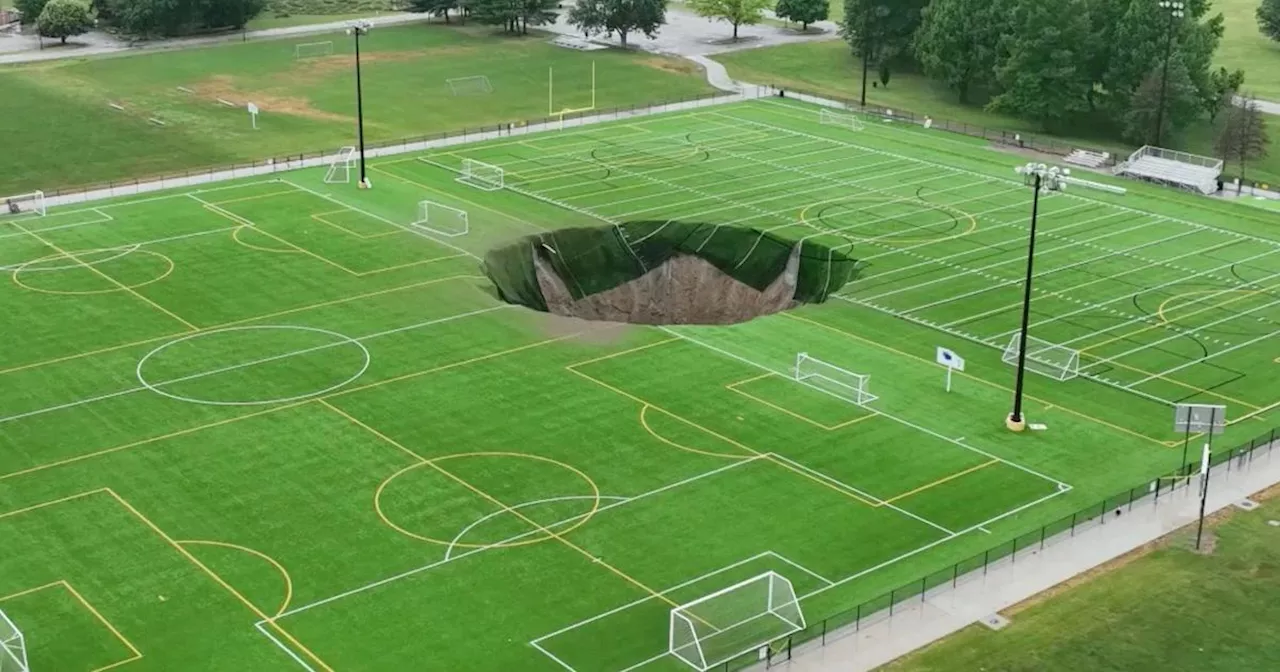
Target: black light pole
1175 9
357 29
1205 467
866 47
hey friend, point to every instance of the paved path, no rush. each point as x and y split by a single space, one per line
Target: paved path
24 49
1270 107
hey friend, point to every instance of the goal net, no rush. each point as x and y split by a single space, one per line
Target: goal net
23 204
340 166
481 175
833 118
833 380
441 219
1047 359
742 618
312 50
469 86
13 648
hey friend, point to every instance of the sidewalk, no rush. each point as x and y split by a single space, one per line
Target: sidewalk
947 610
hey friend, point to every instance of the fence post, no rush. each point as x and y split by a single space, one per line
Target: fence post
857 619
1131 499
955 574
1013 556
985 556
892 593
1042 529
1073 524
923 584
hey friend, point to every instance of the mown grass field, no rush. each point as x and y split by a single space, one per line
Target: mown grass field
1170 610
1244 46
273 425
73 136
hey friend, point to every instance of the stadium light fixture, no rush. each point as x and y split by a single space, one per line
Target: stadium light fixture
357 29
1176 10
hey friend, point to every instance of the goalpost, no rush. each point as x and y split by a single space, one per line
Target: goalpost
1043 357
442 219
833 118
469 86
736 620
312 50
481 175
23 204
13 647
551 97
340 166
833 380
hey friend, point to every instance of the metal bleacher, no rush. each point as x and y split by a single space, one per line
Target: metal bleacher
1173 168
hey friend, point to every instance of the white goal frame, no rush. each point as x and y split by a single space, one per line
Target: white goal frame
312 50
700 652
13 647
847 120
27 204
340 166
1044 357
467 86
481 175
430 215
833 380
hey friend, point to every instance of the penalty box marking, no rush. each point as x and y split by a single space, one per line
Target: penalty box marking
115 632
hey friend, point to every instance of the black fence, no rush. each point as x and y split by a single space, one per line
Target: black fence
880 608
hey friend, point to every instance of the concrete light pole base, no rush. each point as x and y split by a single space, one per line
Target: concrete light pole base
1015 425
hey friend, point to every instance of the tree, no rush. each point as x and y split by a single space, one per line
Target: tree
736 12
957 40
433 7
1224 86
1269 18
803 12
620 17
1182 104
887 26
176 17
64 18
1243 135
1040 68
538 13
885 74
30 9
229 13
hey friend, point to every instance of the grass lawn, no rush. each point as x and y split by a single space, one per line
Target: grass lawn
1170 610
301 432
1244 46
307 106
829 68
266 20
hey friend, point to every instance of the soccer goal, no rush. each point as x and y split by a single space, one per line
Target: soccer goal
736 620
833 118
23 204
340 166
469 86
13 648
312 50
1047 359
481 175
442 220
829 378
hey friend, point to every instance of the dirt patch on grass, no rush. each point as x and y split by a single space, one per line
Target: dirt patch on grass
678 66
312 69
223 87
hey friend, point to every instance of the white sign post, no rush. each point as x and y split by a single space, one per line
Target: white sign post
253 113
951 361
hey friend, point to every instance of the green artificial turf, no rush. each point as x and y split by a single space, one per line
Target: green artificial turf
271 424
1171 610
75 137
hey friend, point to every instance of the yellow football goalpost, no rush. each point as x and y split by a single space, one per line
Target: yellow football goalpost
551 96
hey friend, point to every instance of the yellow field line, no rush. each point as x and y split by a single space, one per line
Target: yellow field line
255 318
984 381
370 236
644 422
254 198
106 277
284 573
241 220
136 654
410 264
1181 317
830 428
646 346
940 481
460 199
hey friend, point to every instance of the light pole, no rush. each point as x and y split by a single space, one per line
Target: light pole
866 47
1175 9
1040 178
356 30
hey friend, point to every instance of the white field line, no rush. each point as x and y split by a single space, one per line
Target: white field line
1162 285
1073 196
548 654
1113 276
448 551
801 567
528 533
129 247
1206 358
1202 298
286 355
103 218
1049 271
282 647
963 444
845 486
999 224
1193 331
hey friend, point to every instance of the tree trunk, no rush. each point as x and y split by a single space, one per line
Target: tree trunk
446 15
64 39
735 31
622 38
963 88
